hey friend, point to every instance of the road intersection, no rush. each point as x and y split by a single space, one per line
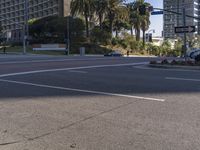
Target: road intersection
96 103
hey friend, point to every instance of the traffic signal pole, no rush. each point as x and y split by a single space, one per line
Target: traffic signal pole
184 15
166 10
185 38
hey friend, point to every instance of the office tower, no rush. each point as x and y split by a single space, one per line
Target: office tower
12 13
173 20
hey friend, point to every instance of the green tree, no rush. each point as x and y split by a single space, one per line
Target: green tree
84 8
119 25
53 28
195 42
99 36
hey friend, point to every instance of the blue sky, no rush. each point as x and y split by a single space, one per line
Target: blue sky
156 21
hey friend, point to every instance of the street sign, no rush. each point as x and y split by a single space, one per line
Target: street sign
157 13
185 29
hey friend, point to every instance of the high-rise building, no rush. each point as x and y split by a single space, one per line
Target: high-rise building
171 20
12 13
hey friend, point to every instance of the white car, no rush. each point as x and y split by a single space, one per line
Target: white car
193 53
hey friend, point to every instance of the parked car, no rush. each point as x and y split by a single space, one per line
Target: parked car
114 54
193 53
197 58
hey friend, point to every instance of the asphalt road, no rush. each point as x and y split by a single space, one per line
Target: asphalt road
97 103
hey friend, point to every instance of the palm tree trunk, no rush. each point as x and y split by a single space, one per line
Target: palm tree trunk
100 21
131 30
137 34
116 33
143 38
111 20
87 26
111 26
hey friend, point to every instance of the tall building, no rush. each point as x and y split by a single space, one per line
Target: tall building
171 20
12 13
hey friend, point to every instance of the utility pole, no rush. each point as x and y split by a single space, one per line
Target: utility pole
68 35
25 26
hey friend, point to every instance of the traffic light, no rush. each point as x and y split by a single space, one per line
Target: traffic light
142 10
150 38
147 37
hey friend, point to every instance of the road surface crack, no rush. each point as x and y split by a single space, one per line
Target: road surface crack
78 122
9 143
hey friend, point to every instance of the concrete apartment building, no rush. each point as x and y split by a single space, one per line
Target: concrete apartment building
12 13
192 8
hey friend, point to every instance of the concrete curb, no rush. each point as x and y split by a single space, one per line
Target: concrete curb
174 67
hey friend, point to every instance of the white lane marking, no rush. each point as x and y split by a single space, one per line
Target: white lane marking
182 79
73 71
84 91
178 70
50 60
67 69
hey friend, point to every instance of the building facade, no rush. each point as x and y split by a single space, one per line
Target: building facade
12 13
171 20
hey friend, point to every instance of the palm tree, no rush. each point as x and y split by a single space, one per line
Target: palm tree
115 10
100 9
131 13
145 22
82 7
135 18
138 21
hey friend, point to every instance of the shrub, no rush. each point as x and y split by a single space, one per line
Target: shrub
114 41
153 62
183 63
123 43
191 63
165 61
174 62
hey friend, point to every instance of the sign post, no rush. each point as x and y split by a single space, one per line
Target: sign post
184 30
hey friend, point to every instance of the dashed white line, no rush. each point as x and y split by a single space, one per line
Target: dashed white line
84 91
74 68
182 79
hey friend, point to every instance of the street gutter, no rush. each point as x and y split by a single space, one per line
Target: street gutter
174 67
